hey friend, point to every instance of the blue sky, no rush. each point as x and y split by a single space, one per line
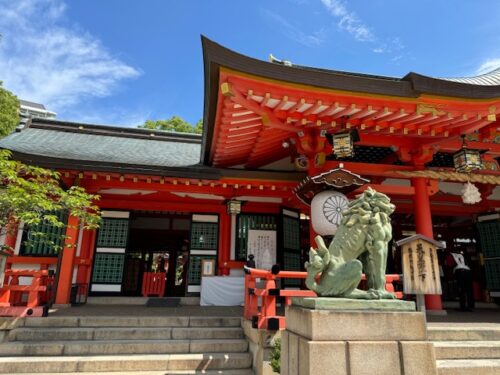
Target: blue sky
121 62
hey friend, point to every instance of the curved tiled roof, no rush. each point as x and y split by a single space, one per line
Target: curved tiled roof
411 85
488 79
52 142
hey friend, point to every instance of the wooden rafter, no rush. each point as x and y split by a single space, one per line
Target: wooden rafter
256 116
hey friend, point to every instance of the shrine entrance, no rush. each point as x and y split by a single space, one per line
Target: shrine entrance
158 243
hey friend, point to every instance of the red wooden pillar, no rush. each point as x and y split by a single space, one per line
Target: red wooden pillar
92 244
87 247
224 241
68 257
423 224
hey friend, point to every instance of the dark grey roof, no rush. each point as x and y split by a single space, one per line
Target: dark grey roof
488 79
100 145
31 104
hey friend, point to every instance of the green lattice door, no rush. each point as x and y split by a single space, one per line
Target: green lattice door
109 257
489 234
44 239
289 250
203 244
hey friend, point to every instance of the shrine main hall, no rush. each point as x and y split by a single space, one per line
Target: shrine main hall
175 202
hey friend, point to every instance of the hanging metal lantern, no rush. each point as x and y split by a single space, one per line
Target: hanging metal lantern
343 143
233 207
467 160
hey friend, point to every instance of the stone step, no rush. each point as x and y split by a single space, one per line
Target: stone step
468 367
127 301
144 321
463 333
467 349
119 333
121 347
130 363
178 372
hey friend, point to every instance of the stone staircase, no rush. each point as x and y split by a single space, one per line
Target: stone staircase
126 345
466 349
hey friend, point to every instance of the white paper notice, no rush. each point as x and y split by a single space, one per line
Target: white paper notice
262 244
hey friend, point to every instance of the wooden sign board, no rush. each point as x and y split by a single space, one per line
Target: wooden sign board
420 267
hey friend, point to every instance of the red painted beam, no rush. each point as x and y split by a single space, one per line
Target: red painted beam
367 169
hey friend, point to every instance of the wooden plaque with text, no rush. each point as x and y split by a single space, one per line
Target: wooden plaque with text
420 266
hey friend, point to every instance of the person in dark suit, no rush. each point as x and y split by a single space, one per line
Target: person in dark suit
463 276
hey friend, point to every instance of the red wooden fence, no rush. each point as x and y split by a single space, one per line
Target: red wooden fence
267 317
11 293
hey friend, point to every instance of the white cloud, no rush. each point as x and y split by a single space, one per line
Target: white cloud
293 32
349 21
42 59
488 65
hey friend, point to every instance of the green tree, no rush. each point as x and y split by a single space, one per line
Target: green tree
175 123
9 112
198 128
34 195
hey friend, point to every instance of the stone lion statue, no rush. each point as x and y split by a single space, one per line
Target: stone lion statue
359 244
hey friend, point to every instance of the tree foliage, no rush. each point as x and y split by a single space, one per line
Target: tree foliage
175 124
34 195
9 111
275 356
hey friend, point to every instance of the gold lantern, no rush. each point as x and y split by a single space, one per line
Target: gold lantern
343 144
467 160
233 207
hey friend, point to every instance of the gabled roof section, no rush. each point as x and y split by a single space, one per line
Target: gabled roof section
61 143
254 109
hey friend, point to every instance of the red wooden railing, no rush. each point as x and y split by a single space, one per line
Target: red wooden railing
267 317
153 284
11 294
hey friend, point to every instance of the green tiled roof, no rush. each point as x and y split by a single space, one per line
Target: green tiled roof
105 144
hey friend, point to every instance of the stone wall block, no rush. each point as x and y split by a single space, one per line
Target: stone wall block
418 358
322 357
374 358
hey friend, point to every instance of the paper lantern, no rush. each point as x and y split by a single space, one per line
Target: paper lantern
326 211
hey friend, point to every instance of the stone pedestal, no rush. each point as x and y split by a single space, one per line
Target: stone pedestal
345 337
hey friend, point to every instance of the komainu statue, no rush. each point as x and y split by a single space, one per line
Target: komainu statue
360 244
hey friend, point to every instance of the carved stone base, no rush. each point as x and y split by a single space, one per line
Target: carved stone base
355 342
326 303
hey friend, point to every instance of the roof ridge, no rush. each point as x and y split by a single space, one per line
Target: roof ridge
490 78
113 131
